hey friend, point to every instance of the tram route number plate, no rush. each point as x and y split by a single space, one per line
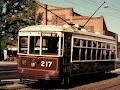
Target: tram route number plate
46 63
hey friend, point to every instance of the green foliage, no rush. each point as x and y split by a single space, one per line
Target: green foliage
12 22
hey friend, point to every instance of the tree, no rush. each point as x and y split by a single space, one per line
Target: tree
16 14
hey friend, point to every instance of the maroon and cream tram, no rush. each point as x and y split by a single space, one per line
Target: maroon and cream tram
52 52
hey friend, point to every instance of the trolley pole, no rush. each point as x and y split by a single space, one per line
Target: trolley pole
94 13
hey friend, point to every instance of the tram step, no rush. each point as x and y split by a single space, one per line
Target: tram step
28 81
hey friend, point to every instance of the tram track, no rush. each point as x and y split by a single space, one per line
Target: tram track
106 82
114 86
112 83
11 84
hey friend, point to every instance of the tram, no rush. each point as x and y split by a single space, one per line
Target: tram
50 52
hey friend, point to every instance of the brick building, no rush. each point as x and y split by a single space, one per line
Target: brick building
96 24
119 50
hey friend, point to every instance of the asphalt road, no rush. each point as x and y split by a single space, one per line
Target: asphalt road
8 70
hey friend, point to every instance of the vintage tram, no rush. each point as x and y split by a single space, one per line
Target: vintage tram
49 52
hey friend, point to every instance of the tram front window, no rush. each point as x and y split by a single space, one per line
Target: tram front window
23 45
50 45
45 45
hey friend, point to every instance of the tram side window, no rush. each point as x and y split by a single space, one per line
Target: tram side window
94 43
94 54
76 53
107 54
103 45
23 44
34 45
88 54
98 54
50 45
108 46
84 43
76 42
99 44
89 43
83 52
103 54
113 52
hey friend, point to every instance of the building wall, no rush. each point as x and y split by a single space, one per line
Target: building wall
119 50
94 25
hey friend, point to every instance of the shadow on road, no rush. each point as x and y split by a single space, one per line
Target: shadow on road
76 81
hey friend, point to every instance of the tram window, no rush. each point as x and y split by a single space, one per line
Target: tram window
83 50
50 45
113 47
113 54
103 45
76 42
89 43
88 54
34 45
94 54
76 53
83 43
23 44
94 43
98 54
108 46
37 45
103 54
107 54
99 44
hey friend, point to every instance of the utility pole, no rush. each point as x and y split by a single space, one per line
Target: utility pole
45 14
47 10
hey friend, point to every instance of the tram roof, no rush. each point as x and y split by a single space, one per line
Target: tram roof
54 28
44 28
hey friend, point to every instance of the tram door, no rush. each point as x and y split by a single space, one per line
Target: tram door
67 52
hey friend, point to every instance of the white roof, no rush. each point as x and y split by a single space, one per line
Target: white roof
64 28
95 35
44 28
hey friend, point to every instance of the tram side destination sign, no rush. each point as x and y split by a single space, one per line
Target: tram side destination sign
49 34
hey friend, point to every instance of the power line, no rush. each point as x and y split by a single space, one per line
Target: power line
94 13
53 13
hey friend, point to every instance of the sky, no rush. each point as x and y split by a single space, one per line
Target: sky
88 7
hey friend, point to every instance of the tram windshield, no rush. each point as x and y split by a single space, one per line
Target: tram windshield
50 45
41 45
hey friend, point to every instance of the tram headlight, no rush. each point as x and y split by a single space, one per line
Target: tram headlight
24 62
33 64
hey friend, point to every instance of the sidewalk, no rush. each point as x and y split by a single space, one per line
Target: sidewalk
116 70
8 63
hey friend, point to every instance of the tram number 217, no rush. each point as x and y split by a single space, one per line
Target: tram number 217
46 63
